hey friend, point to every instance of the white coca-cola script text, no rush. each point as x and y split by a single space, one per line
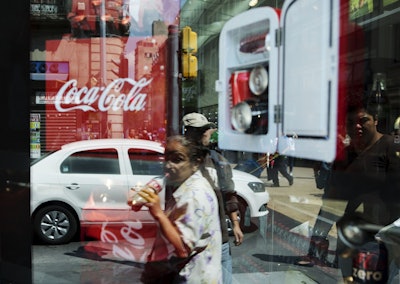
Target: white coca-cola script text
70 97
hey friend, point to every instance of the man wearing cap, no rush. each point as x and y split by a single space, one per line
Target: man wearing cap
199 130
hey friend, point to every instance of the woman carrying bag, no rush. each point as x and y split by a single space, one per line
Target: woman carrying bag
187 248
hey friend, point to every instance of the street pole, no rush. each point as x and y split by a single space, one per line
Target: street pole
103 53
173 96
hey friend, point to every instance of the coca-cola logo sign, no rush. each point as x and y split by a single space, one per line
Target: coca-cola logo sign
130 245
103 98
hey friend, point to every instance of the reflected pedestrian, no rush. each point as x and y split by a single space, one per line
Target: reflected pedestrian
199 130
132 134
278 164
290 165
190 224
365 181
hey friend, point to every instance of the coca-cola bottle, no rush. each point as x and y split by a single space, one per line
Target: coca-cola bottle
155 184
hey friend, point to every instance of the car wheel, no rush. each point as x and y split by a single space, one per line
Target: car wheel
55 225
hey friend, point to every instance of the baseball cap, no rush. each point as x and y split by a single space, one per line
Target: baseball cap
195 119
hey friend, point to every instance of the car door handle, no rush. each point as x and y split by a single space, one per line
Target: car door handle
73 186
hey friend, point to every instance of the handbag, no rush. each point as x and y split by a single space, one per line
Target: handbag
166 271
163 271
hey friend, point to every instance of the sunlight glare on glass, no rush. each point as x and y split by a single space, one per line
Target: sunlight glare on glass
252 3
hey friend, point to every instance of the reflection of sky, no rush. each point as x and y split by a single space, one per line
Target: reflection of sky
145 14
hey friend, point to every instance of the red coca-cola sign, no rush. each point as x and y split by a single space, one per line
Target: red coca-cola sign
111 99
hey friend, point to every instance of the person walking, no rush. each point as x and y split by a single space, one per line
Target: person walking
189 228
199 130
291 164
278 164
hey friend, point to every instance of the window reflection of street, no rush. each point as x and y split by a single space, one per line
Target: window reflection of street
272 244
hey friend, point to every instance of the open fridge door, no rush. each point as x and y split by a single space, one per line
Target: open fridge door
279 80
309 79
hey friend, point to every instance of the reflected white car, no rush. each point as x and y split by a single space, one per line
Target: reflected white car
85 185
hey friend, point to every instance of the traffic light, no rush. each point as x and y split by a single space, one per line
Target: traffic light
189 40
189 65
189 48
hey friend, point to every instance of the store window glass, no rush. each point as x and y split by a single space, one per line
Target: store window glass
305 95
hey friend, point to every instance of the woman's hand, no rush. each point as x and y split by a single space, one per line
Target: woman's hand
237 232
153 201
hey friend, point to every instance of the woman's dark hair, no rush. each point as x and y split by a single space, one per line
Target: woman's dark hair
196 151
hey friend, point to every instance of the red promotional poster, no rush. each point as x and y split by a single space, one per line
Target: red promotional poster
101 99
114 86
107 79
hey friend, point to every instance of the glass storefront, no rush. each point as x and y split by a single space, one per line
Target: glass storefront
305 95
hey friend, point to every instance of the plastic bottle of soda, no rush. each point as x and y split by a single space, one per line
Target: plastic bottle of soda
155 184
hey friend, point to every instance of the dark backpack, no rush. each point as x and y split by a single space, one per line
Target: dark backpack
224 172
225 183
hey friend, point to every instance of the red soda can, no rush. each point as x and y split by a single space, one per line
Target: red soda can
370 264
239 85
